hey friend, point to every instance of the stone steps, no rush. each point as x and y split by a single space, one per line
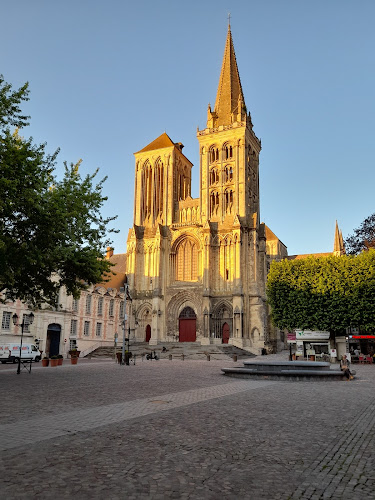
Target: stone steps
188 350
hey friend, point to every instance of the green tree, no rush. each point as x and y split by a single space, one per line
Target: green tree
326 293
52 233
363 237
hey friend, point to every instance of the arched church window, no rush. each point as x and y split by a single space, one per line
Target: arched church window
228 152
214 203
187 261
213 154
214 176
228 173
228 200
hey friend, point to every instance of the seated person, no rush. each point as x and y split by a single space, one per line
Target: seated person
345 367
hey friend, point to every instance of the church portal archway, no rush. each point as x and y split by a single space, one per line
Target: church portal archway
148 333
226 333
187 325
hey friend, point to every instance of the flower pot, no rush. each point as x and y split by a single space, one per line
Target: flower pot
45 362
54 362
73 361
60 361
74 353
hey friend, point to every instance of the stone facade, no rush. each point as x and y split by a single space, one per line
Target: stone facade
196 268
86 323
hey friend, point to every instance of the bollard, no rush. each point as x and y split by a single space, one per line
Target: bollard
208 357
234 357
170 357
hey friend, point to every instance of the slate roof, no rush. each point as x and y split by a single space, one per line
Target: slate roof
163 141
116 281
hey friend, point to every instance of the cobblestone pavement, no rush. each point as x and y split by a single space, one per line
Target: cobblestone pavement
181 429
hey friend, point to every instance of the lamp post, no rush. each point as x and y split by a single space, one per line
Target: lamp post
125 359
28 319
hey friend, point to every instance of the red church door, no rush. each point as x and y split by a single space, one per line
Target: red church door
187 325
148 333
226 333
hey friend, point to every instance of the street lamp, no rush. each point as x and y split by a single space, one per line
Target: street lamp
125 358
27 320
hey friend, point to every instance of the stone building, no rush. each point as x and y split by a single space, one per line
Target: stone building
196 267
86 323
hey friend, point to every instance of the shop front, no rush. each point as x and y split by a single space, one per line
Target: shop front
313 345
360 343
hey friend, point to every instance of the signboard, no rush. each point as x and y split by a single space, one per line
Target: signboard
362 337
333 353
291 337
311 335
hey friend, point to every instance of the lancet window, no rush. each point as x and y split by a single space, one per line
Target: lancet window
214 203
228 200
158 191
227 151
214 176
214 154
228 173
187 261
183 184
146 191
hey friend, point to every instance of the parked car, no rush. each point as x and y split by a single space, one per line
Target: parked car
10 353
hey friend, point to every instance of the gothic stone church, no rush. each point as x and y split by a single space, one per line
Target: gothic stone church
196 267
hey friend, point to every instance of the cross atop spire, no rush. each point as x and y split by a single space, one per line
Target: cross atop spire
230 102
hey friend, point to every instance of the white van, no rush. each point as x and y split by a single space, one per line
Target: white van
10 353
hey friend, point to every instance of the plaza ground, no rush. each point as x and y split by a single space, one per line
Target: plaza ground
180 429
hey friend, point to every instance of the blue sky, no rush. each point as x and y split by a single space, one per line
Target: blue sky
107 78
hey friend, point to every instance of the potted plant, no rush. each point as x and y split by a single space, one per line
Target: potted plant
45 361
54 361
74 353
60 359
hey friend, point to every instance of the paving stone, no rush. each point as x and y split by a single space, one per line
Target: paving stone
182 430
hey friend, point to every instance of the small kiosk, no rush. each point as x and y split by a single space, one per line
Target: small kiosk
312 345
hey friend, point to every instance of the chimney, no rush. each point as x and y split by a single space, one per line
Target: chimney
109 253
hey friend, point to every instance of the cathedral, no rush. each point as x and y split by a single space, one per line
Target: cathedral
196 267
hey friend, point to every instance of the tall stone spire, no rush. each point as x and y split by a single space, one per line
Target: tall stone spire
230 102
338 244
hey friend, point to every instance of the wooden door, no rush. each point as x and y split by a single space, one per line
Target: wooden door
187 330
226 333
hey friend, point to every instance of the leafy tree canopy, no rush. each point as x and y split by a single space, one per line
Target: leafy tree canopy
326 293
52 233
363 237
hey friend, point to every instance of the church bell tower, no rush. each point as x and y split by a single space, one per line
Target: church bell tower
229 151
